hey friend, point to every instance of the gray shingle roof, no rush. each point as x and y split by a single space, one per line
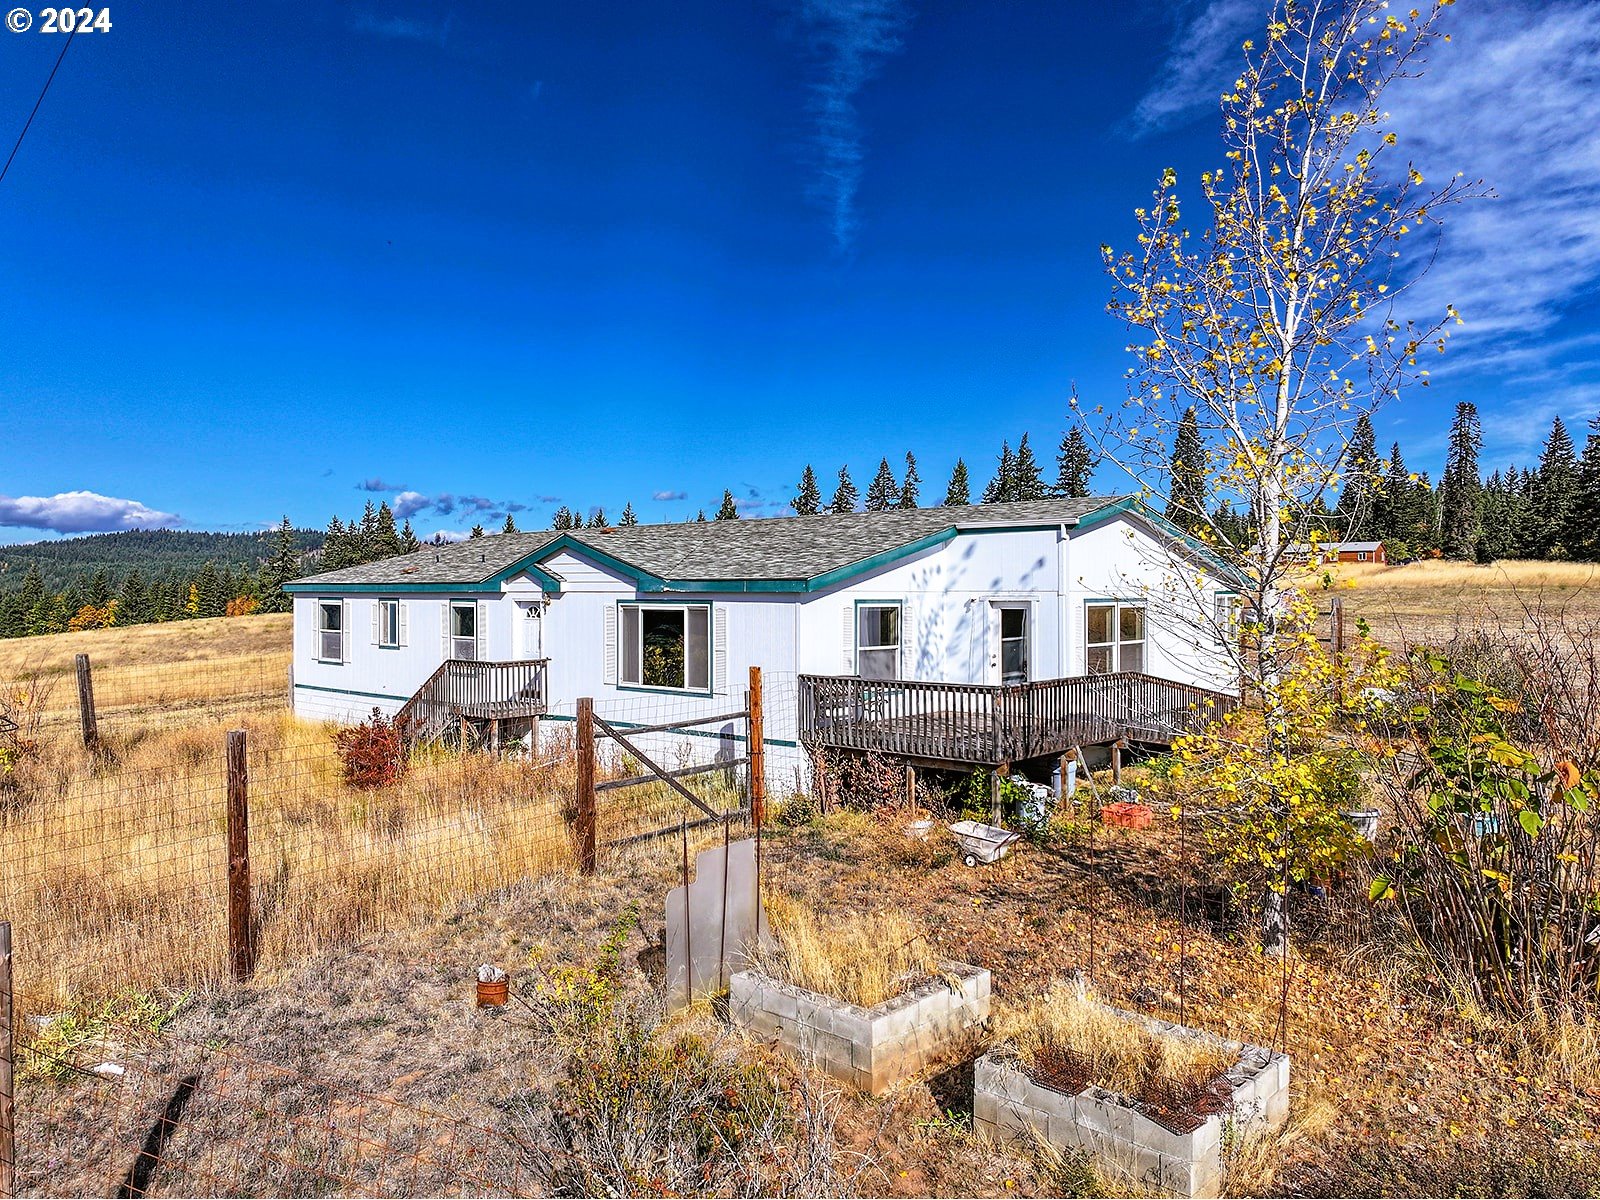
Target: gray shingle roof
781 548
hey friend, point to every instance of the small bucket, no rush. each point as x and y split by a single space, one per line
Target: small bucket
919 829
494 993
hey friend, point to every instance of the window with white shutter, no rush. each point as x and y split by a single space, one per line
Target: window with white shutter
611 644
908 640
849 639
719 652
444 630
344 641
483 629
405 620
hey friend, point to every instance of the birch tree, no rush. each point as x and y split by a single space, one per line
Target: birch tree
1282 316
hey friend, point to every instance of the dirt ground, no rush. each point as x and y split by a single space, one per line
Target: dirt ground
1380 1063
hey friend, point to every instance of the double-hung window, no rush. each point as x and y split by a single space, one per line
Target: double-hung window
330 630
388 623
666 646
1114 638
878 641
463 629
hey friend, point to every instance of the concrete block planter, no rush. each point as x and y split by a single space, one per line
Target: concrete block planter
1009 1104
870 1048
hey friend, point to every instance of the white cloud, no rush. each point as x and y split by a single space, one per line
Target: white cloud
850 38
409 504
81 512
406 29
1510 101
669 495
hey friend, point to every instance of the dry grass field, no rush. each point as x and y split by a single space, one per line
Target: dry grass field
1430 601
175 673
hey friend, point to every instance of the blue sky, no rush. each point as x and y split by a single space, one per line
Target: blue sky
537 254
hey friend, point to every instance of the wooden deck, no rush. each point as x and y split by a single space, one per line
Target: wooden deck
973 724
472 691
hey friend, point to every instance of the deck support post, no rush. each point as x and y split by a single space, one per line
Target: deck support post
996 807
494 734
1116 760
911 786
466 734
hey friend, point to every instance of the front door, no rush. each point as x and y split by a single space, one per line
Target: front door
1010 662
530 629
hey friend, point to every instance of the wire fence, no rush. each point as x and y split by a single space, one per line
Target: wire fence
136 698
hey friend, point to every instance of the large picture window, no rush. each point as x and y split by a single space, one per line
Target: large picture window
666 646
1114 638
878 641
463 629
330 630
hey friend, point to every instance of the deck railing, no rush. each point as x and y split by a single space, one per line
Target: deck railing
477 690
961 722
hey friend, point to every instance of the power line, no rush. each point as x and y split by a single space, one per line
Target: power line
29 122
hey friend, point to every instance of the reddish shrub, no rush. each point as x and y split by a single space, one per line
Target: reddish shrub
373 753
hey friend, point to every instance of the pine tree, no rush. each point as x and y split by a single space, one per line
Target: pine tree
1460 490
563 518
729 510
883 493
700 517
845 496
408 539
999 489
911 489
1395 514
510 526
1075 464
385 538
1363 480
1584 535
629 517
1503 517
599 520
336 547
1555 494
1026 481
958 492
477 532
809 502
1186 496
366 539
134 606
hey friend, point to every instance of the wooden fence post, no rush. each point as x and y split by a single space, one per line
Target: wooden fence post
86 715
757 745
241 934
8 1044
585 775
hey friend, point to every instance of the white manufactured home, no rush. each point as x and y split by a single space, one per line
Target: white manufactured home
1054 607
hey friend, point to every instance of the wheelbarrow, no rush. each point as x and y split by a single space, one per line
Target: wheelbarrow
982 843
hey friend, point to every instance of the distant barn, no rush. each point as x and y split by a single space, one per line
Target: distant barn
1349 552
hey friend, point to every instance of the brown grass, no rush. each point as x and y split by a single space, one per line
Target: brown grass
114 877
1430 601
168 673
860 958
1066 1031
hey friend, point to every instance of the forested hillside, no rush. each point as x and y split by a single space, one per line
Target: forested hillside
151 551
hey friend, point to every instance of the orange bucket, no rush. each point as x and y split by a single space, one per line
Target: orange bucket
494 994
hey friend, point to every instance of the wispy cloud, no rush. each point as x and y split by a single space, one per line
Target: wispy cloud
1203 56
376 484
850 40
405 29
1508 101
410 504
81 512
668 495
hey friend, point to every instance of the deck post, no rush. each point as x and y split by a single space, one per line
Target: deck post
996 807
1116 760
911 786
585 785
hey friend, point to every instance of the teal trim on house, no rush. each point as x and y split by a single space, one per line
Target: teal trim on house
646 582
547 582
317 687
882 559
1133 506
